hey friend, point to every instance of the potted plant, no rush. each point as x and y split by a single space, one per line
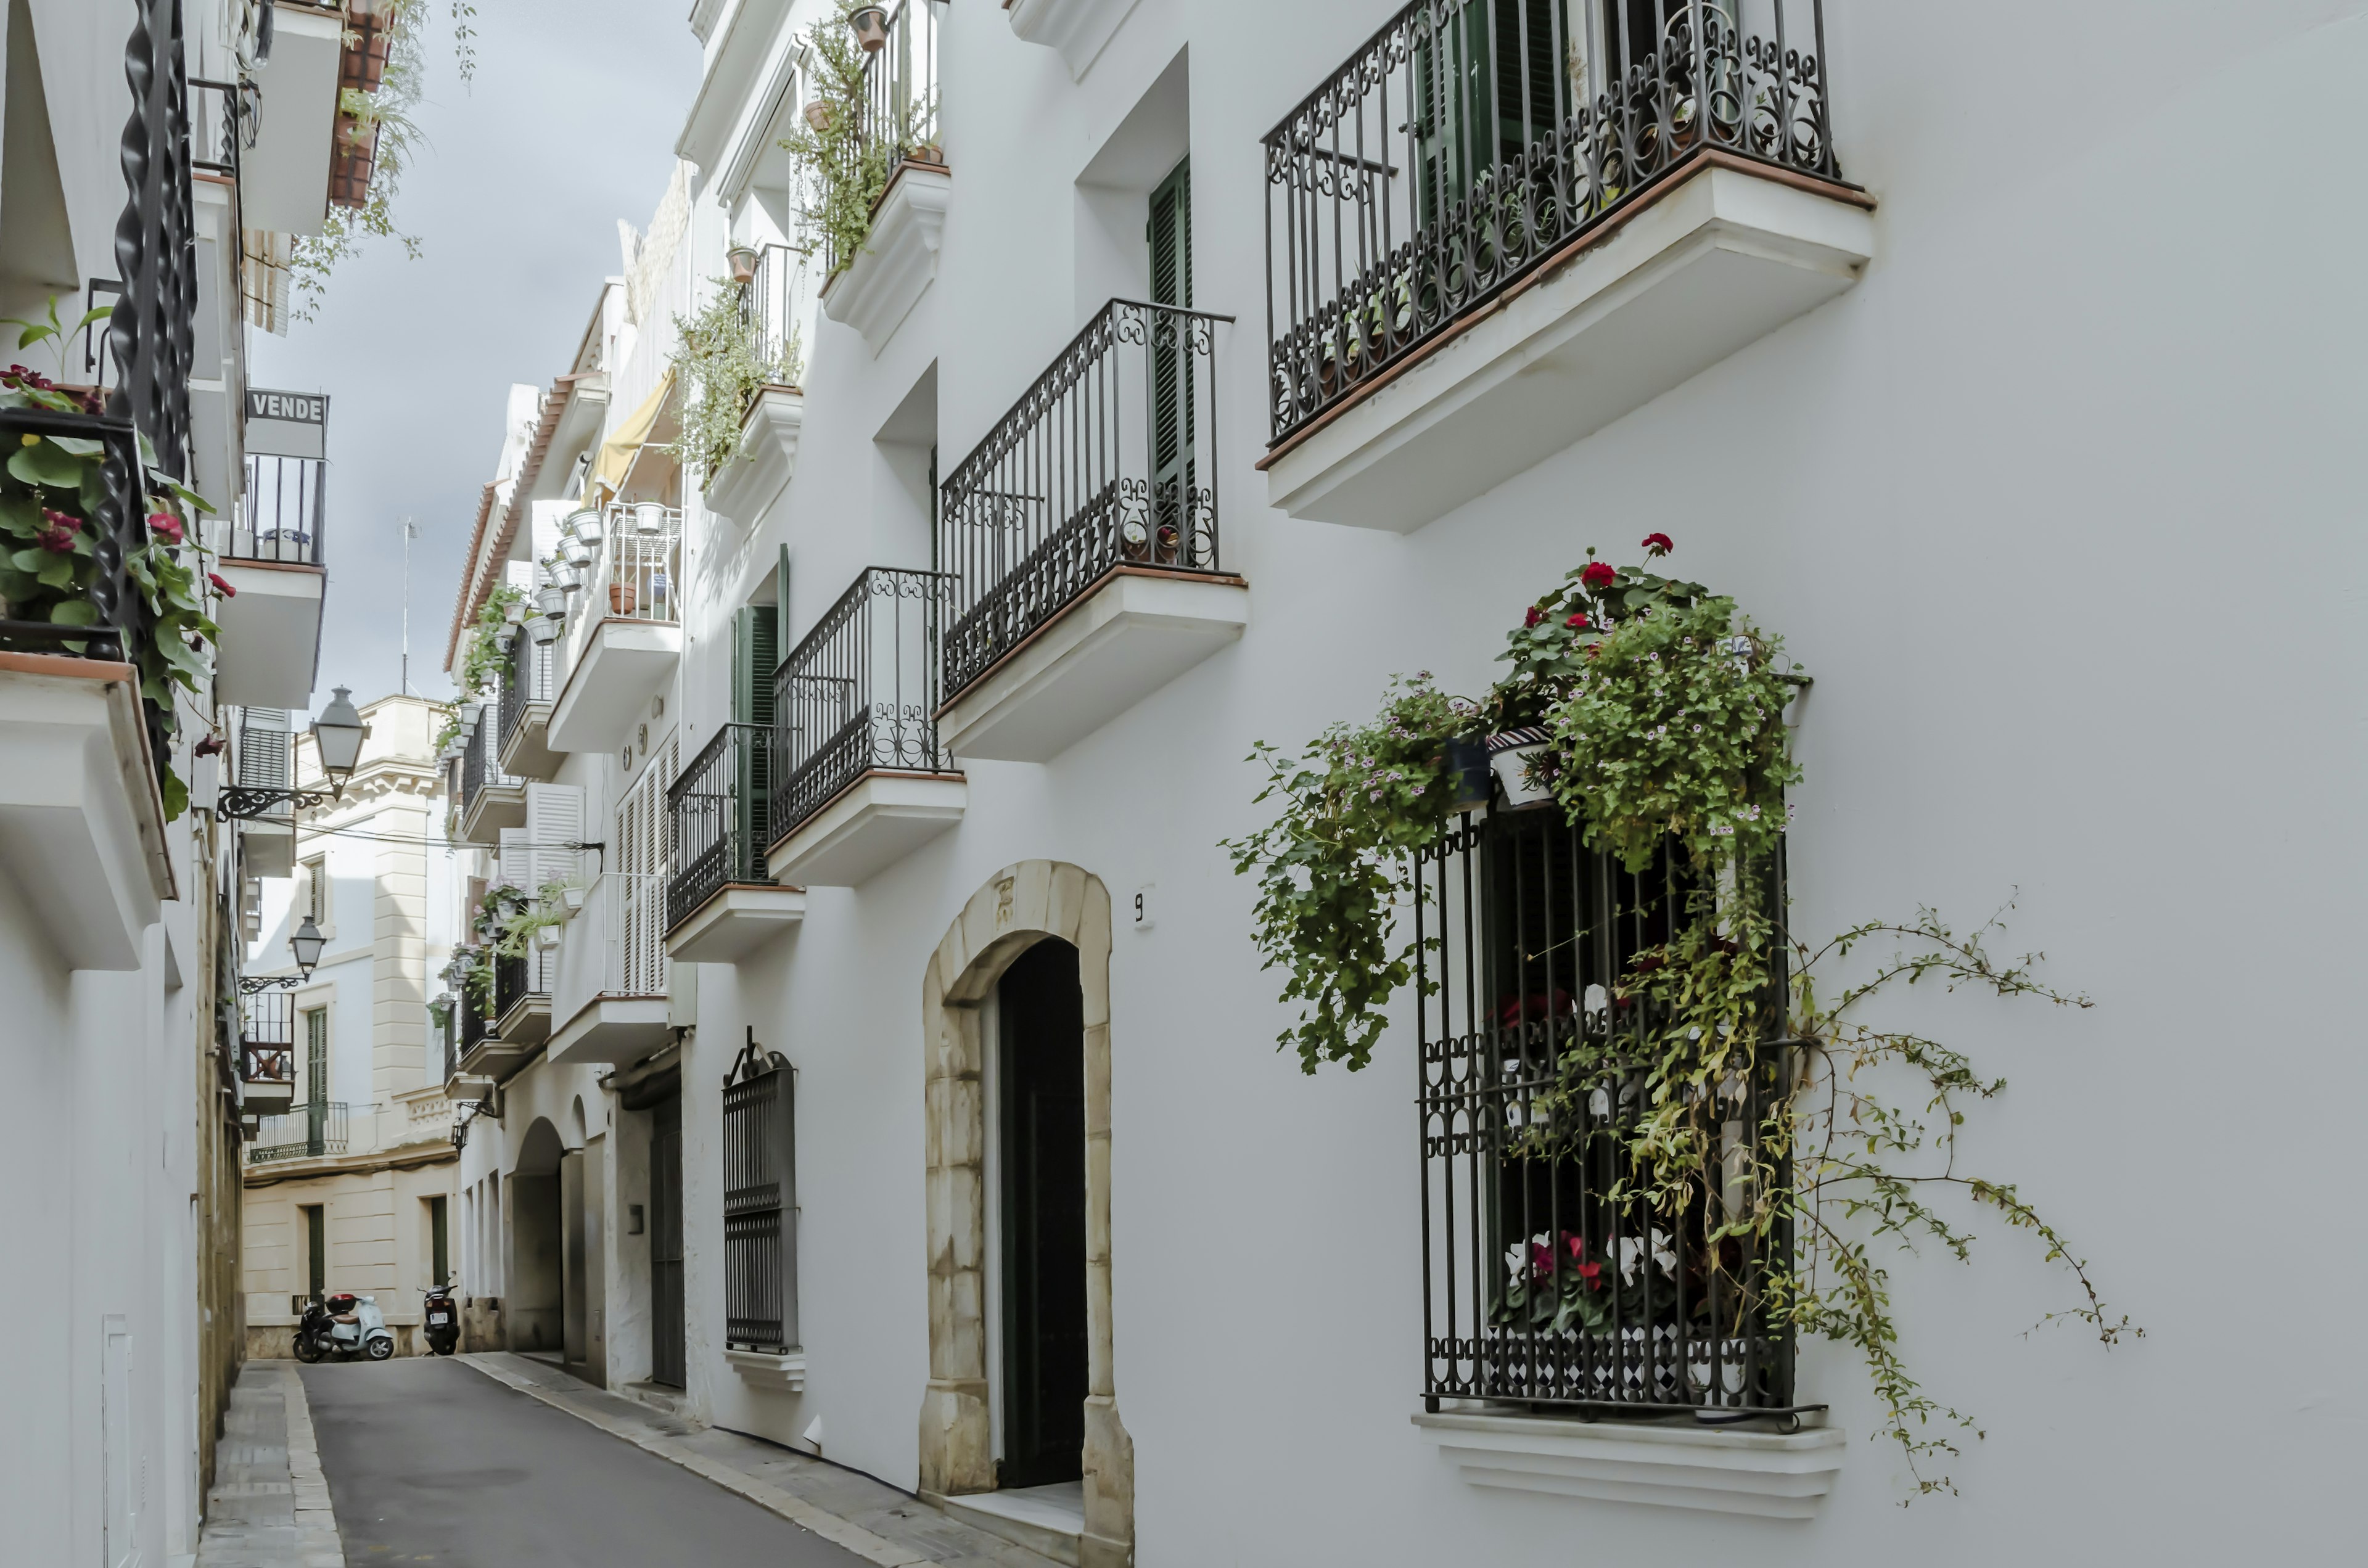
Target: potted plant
742 259
621 598
870 26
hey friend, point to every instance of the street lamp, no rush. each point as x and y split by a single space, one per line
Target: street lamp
337 736
306 945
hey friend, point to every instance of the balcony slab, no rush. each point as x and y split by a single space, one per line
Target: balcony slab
271 633
624 662
737 920
866 827
1078 28
493 808
879 288
1135 631
777 1371
263 1097
1720 257
82 819
612 1031
757 473
284 178
526 754
526 1024
1773 1475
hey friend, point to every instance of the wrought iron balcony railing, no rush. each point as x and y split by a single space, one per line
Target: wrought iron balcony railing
1109 460
1550 1280
522 977
773 307
286 502
481 763
859 695
307 1132
267 1037
900 95
721 805
474 1024
1469 142
528 678
120 625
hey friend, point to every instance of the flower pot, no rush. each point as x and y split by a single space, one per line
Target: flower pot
870 26
1511 756
586 524
551 599
649 516
543 630
546 936
621 598
506 638
1467 770
817 114
743 261
575 552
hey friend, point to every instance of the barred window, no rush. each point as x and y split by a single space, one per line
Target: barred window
760 1232
1552 1280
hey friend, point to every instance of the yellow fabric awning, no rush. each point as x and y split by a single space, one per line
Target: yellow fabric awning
624 444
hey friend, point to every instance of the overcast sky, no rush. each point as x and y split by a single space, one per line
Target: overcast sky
569 127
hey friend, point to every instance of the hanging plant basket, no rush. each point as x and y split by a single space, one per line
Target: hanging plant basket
870 26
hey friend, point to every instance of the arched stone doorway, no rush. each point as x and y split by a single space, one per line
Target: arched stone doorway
535 1316
1019 907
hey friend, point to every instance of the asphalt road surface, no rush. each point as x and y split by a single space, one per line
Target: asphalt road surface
430 1461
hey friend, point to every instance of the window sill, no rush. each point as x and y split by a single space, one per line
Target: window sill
781 1373
1771 1475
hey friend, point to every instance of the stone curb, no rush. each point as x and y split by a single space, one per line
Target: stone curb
316 1519
772 1499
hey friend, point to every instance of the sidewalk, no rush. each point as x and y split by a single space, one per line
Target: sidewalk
868 1517
270 1505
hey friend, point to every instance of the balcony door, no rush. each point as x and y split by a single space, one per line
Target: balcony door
1040 1091
668 1358
316 1079
1172 407
1490 82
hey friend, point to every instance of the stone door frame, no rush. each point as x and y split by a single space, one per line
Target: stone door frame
1017 907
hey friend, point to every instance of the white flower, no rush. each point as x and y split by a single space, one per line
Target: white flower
1632 1252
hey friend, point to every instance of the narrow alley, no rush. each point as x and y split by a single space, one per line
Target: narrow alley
499 1460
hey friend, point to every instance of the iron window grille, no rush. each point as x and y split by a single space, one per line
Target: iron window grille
760 1203
858 695
1108 462
899 104
1547 1284
719 805
1471 141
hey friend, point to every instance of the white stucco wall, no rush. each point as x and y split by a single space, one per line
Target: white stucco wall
2057 504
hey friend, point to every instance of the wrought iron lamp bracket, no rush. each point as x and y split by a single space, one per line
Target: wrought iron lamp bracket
250 985
754 1060
242 803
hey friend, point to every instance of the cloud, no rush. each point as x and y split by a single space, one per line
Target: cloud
569 126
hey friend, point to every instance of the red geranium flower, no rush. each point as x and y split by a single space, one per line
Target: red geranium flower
1578 622
1599 574
210 746
59 537
1657 544
1534 616
216 579
164 525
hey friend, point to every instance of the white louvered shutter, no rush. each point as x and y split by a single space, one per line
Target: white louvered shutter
554 825
510 868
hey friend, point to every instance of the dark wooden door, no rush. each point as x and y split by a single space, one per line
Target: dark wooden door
667 1357
1042 1090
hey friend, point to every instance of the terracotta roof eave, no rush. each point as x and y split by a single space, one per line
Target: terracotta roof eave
478 581
461 609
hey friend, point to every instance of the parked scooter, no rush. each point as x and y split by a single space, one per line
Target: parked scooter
442 1320
344 1327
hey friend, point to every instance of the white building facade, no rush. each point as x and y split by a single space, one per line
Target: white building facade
1196 378
349 1190
157 157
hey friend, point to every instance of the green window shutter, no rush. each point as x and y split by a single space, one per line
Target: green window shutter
756 643
755 652
1171 365
1171 238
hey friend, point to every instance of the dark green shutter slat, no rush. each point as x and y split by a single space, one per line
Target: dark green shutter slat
1171 370
756 650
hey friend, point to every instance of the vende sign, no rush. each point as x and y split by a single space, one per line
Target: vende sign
285 424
